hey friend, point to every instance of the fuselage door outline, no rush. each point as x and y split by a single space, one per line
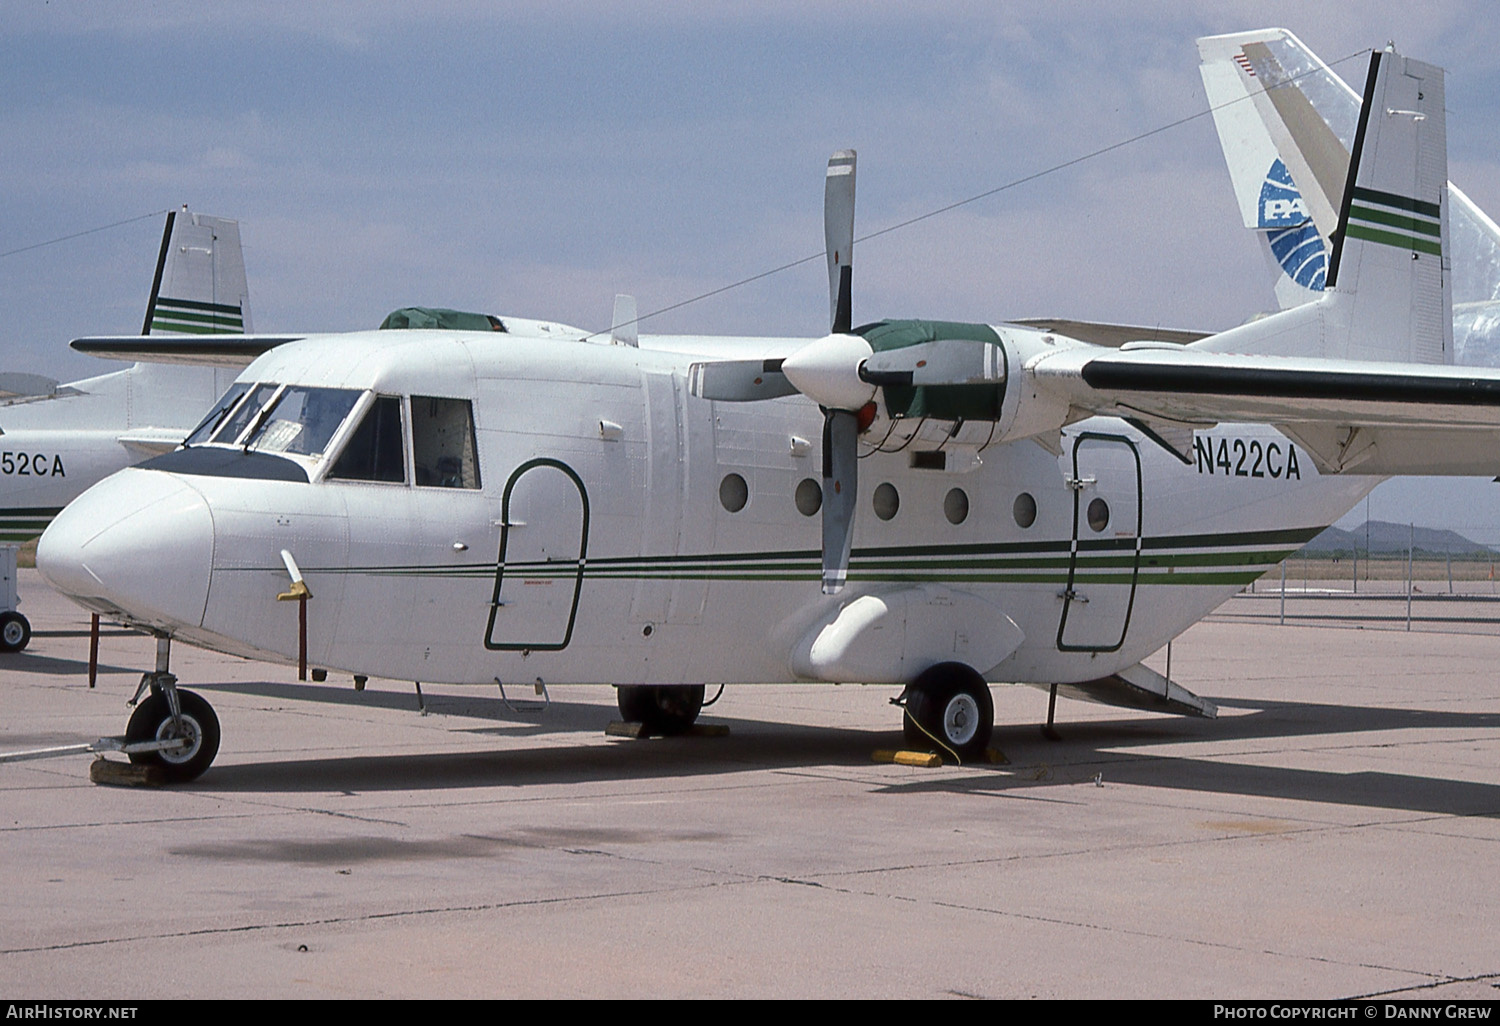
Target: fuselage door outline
549 575
1122 485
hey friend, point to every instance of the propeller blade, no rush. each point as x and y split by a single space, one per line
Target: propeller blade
840 488
838 238
947 361
739 381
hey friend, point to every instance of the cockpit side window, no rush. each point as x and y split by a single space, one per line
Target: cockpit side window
218 413
444 453
303 420
235 424
374 451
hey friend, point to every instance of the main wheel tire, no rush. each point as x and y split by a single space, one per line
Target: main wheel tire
660 708
152 721
15 631
949 705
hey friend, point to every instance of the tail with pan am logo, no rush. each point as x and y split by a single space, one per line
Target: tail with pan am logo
1387 289
1250 79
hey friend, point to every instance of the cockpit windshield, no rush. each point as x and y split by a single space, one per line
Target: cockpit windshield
234 425
424 440
218 413
302 420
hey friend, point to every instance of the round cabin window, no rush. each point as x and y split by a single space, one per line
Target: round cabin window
809 497
956 506
887 501
1098 515
1024 510
733 493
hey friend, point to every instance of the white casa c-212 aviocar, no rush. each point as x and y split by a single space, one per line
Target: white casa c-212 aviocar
978 502
57 440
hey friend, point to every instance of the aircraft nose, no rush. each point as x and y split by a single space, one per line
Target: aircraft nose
140 542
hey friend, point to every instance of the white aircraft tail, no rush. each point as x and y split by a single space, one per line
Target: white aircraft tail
200 286
1262 86
1260 153
1387 286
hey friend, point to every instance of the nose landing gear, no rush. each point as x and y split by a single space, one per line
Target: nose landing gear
195 724
169 714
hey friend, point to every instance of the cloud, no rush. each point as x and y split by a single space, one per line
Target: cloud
537 159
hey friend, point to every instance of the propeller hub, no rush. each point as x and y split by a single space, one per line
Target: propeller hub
827 371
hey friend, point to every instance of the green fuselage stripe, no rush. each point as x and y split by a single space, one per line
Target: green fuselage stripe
1236 561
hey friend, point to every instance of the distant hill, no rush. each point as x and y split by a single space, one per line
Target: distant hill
1387 539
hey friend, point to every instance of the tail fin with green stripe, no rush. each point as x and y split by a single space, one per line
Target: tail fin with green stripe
1390 248
200 286
1388 293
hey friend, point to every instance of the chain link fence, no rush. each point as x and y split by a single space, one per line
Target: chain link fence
1418 590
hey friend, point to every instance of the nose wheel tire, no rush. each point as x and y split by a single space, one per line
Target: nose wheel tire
660 708
152 721
949 707
15 631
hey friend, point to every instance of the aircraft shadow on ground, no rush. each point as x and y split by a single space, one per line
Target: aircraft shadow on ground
1103 747
51 665
1038 768
523 714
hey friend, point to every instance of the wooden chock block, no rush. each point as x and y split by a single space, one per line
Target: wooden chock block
126 774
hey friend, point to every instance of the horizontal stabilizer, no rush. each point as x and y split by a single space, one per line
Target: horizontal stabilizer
217 351
13 385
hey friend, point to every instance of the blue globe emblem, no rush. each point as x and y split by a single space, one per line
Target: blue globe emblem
1294 239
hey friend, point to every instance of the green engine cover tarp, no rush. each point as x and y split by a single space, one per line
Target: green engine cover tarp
945 402
441 319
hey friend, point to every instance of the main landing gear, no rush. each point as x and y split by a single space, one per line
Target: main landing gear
949 706
660 708
181 723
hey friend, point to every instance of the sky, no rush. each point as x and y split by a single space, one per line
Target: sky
535 159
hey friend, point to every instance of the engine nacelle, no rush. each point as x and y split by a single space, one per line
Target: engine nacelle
966 419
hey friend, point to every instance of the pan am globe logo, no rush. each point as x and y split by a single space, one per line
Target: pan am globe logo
1294 239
